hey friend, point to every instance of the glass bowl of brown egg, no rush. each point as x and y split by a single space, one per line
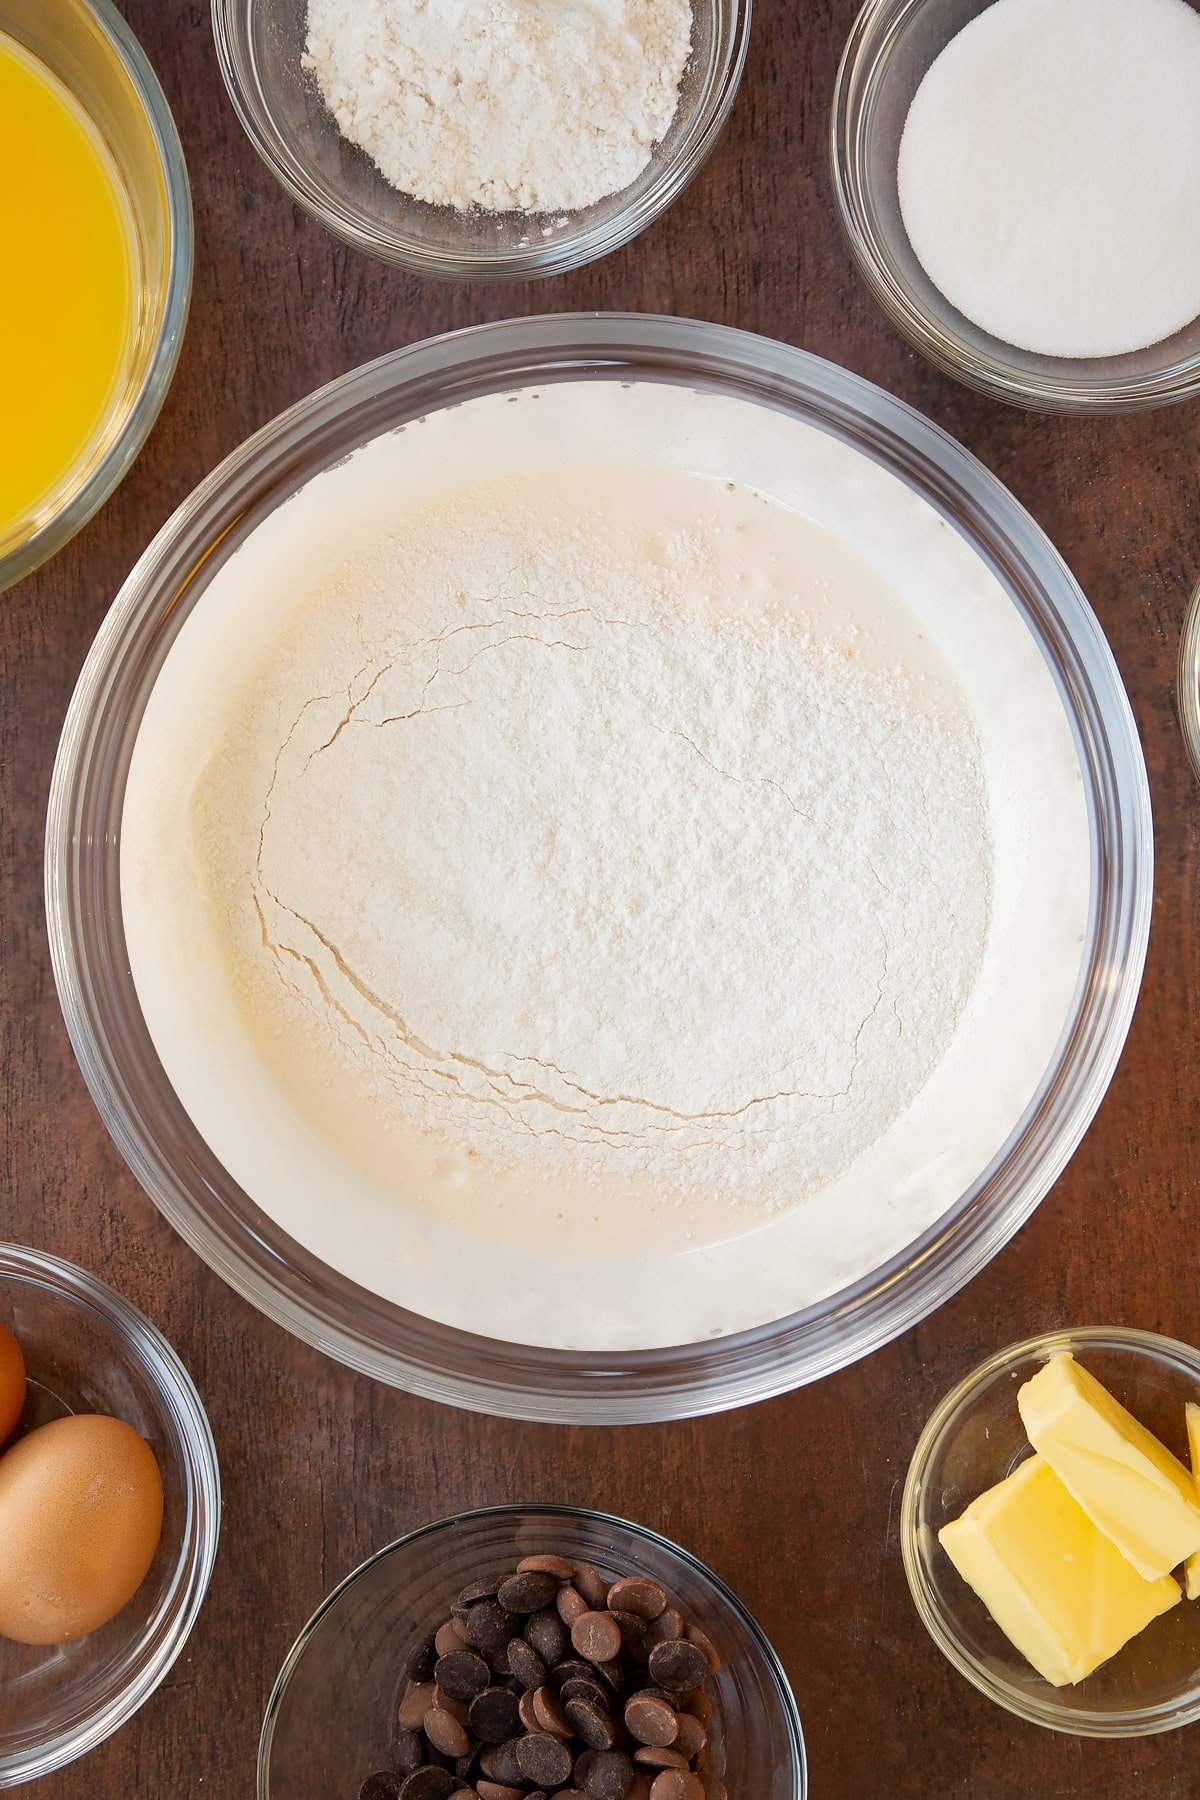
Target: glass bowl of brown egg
109 1511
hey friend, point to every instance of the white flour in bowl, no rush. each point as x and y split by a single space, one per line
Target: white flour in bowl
577 850
604 831
509 105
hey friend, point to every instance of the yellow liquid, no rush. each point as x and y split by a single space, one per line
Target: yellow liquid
67 290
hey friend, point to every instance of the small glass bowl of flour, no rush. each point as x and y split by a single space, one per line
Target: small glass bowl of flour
1019 181
476 139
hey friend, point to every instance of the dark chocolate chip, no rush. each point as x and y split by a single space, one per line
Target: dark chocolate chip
415 1704
499 1762
584 1687
383 1785
570 1603
574 1668
525 1663
490 1625
558 1566
408 1752
494 1715
547 1634
650 1719
634 1594
633 1632
705 1644
676 1784
691 1737
448 1703
591 1723
544 1759
528 1593
428 1783
591 1585
418 1664
461 1674
476 1590
547 1710
669 1624
597 1636
498 1790
446 1733
609 1776
678 1666
653 1756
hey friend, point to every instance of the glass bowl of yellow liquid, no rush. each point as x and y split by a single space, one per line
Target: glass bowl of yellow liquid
96 236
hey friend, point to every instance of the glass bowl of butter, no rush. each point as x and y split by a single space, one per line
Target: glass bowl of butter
1051 1531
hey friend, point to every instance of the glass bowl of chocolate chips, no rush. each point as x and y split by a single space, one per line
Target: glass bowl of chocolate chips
532 1653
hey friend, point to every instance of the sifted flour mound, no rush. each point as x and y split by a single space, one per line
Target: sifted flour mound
510 105
550 842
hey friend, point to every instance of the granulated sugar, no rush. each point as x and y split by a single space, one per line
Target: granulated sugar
1049 173
552 842
509 105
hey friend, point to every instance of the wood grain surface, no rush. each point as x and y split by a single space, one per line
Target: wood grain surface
794 1503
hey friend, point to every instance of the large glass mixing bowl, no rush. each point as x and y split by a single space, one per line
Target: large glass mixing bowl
198 1195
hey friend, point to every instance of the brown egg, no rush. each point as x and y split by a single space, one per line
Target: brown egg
81 1506
12 1381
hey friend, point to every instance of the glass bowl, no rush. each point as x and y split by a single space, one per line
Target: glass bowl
329 1720
91 49
1188 684
890 48
87 1350
174 1163
975 1439
259 46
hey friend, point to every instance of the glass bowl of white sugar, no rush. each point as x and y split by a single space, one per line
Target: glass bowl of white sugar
470 140
1019 182
543 850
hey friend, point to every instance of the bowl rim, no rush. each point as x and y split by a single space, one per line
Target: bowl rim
1187 683
113 467
178 1610
1013 379
612 1387
1099 1722
569 250
516 1510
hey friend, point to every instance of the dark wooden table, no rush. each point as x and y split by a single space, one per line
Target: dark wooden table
795 1502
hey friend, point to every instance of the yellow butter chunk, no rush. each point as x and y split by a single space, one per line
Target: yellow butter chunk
1191 1573
1128 1484
1062 1594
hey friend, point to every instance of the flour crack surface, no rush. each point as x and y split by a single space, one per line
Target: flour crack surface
566 852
